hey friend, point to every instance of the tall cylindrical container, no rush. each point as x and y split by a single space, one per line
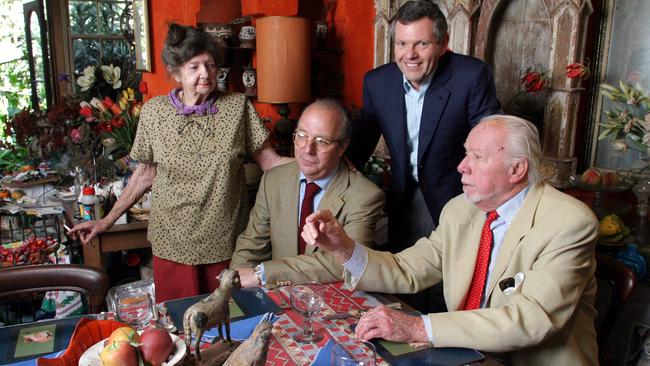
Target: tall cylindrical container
283 59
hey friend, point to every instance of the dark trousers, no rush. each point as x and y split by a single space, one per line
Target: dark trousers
405 227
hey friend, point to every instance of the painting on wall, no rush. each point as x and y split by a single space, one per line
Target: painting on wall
626 58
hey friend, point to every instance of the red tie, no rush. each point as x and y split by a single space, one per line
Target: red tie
475 293
306 209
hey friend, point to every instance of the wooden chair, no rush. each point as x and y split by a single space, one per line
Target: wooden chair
27 281
616 283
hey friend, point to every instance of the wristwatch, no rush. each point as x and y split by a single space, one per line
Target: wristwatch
259 274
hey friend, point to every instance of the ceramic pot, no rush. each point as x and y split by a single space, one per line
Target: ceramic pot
222 78
249 78
221 33
247 36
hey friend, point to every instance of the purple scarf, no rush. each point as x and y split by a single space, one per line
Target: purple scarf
200 109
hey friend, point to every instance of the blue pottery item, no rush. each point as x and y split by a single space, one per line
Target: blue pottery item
631 257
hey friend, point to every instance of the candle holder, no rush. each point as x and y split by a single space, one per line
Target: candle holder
642 192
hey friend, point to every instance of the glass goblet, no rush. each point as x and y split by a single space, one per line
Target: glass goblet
354 352
307 299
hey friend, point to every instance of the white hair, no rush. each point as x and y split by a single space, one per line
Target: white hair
522 143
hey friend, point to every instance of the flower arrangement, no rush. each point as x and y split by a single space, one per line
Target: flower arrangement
628 122
94 125
377 169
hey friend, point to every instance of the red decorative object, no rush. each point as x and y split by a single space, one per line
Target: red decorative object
577 70
86 334
534 82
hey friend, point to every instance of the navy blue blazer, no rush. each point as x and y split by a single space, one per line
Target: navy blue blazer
460 94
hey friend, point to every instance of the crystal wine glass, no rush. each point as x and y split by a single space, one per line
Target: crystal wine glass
307 299
354 352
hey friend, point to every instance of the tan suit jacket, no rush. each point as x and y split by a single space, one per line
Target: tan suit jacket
272 231
548 320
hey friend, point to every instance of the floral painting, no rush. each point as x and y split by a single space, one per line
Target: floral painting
626 68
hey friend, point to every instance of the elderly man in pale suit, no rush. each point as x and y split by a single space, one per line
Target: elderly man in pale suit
516 256
268 252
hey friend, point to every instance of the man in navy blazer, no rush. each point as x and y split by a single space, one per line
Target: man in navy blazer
425 103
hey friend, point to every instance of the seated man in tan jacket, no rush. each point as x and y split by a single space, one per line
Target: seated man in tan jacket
269 252
515 254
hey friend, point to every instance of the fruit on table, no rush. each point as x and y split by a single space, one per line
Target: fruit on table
127 334
4 193
612 228
591 176
17 194
610 179
120 353
155 346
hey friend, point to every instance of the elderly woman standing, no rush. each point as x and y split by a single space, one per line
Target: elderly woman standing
191 145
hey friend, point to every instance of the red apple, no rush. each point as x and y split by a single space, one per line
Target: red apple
127 334
611 179
591 176
119 354
155 346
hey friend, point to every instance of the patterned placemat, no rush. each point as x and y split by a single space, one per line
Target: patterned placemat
284 350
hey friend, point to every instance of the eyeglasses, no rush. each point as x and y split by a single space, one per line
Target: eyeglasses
300 139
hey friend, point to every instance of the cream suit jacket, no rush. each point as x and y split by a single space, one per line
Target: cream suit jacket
548 320
272 231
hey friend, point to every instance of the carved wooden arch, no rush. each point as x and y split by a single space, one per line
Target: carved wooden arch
568 31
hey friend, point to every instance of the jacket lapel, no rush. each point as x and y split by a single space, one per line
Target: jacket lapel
467 252
332 199
394 120
289 219
435 101
518 229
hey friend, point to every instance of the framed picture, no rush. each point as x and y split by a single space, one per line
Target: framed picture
141 33
624 57
638 347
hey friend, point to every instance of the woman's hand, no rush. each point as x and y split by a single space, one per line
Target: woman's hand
87 231
267 158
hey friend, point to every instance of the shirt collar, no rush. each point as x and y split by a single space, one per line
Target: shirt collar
508 210
424 85
323 182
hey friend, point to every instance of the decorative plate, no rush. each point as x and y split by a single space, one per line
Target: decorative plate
91 356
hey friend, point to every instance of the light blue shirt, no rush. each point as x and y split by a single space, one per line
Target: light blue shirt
356 265
414 100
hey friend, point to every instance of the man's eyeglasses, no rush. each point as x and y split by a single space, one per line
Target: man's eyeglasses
300 139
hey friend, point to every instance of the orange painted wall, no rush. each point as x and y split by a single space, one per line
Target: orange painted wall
161 13
353 32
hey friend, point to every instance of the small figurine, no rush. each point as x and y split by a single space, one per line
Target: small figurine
211 311
254 350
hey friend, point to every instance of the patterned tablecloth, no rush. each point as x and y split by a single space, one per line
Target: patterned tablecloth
283 350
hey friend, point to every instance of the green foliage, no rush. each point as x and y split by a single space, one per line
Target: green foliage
14 69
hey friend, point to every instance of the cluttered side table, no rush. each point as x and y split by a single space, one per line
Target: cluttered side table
119 237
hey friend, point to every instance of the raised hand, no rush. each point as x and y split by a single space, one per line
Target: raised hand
324 231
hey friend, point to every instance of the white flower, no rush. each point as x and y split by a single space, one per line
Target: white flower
619 145
88 79
112 75
98 104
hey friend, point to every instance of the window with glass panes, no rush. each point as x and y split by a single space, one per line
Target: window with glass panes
101 33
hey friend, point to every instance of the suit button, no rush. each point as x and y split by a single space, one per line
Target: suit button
420 166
